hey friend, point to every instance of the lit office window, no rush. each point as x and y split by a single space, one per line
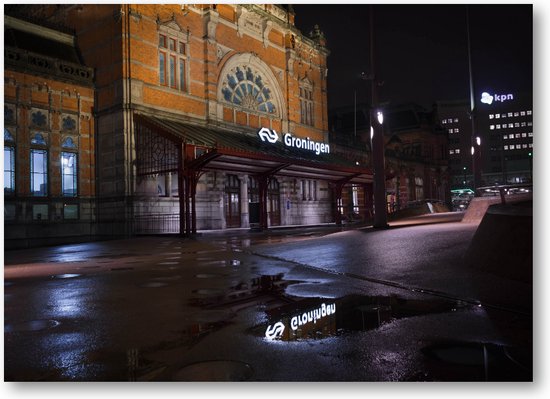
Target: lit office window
497 116
522 113
492 127
506 147
505 136
529 112
491 116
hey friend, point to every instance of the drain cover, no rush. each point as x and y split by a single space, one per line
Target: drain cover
215 370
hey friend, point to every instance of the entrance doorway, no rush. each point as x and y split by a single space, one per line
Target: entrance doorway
274 199
253 201
232 201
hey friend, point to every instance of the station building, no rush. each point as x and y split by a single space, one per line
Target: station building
196 117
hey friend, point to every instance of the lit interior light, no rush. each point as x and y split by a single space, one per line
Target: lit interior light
478 140
472 150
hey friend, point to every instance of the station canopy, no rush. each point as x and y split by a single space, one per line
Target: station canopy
245 152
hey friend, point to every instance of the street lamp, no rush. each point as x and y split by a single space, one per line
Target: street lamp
377 142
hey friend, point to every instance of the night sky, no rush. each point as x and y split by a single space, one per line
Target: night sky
421 50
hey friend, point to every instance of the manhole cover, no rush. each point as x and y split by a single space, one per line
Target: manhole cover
32 325
215 370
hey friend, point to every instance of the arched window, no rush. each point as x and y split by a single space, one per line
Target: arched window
245 88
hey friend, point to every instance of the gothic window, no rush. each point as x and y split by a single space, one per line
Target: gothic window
245 88
306 105
172 64
9 163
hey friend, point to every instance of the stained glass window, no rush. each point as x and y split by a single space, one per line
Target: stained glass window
245 88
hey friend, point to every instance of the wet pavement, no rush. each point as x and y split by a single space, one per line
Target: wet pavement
306 304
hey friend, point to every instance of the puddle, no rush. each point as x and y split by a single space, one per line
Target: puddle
215 370
477 361
32 325
315 318
256 291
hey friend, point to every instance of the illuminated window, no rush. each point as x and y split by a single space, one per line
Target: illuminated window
457 130
512 146
510 114
524 146
505 147
9 163
491 116
497 116
172 64
498 126
522 113
444 121
529 112
524 135
518 135
516 124
39 172
516 113
69 174
450 130
529 123
510 125
451 152
530 145
523 124
505 136
530 134
492 127
456 120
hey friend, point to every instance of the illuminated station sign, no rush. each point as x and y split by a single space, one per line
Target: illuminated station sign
271 136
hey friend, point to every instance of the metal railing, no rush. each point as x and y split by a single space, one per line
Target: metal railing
156 224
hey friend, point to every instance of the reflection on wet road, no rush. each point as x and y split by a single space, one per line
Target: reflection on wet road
223 308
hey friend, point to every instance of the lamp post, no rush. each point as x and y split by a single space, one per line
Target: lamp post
377 142
476 142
